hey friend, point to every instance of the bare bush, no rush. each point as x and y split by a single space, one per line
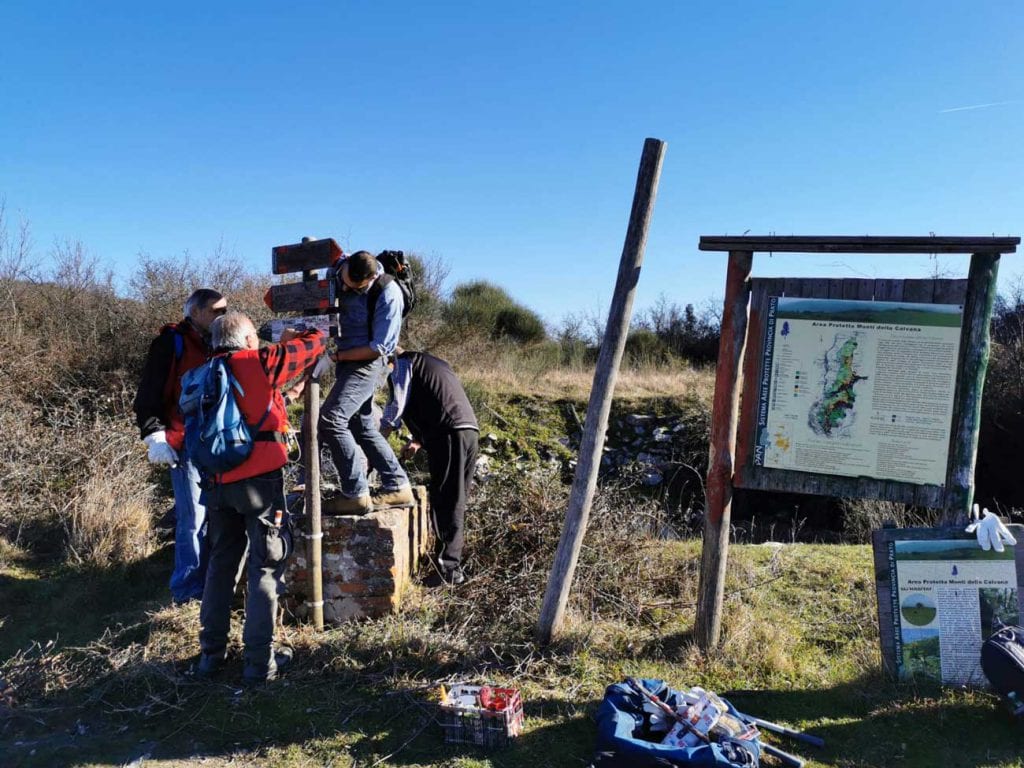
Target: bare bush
74 479
162 284
862 516
516 520
75 482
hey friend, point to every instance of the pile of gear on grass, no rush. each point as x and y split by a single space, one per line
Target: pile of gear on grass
646 723
640 723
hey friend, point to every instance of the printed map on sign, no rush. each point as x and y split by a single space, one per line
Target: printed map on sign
858 388
834 412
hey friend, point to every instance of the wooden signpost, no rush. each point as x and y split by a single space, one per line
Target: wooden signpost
311 296
737 459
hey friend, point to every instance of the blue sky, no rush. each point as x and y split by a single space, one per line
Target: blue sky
505 138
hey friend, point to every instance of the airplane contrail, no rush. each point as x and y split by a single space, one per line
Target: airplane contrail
979 106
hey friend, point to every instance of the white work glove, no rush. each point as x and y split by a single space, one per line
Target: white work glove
323 365
159 451
990 531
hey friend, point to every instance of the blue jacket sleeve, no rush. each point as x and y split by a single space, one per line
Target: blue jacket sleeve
387 320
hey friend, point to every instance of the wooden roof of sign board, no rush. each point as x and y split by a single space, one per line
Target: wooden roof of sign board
859 244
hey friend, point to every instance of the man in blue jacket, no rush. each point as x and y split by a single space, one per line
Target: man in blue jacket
369 323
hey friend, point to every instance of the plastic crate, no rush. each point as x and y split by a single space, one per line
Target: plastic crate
465 723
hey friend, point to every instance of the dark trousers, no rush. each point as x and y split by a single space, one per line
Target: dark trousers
451 458
241 516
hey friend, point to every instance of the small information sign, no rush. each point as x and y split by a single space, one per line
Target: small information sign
940 596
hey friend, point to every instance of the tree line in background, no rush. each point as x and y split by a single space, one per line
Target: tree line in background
75 482
76 485
664 334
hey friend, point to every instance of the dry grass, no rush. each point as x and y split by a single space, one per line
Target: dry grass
507 375
75 482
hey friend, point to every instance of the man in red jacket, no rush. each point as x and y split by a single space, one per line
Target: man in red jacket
246 505
179 348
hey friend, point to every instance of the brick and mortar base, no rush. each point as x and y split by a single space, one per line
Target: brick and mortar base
368 562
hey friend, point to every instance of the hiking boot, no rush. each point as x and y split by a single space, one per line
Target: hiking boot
452 577
209 664
341 505
401 497
258 675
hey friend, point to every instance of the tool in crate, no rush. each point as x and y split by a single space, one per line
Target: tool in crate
485 715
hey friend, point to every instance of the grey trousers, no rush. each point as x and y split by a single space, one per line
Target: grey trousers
241 516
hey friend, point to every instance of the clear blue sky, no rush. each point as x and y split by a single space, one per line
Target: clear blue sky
505 138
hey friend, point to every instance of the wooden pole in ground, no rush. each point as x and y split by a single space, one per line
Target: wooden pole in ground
585 481
732 341
976 346
311 455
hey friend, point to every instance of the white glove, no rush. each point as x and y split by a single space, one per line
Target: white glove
159 451
323 365
990 531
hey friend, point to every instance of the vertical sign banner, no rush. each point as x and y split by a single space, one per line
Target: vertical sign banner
948 597
858 388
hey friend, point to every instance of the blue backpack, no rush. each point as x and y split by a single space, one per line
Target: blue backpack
217 438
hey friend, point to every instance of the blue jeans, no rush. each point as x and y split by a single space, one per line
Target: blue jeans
346 424
190 547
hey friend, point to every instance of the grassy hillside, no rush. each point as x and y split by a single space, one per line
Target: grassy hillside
94 661
800 647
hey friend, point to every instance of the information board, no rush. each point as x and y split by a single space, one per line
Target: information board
941 596
858 388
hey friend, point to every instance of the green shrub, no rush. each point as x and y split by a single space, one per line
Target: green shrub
683 331
644 347
518 324
484 309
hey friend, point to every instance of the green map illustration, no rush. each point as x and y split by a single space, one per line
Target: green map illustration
833 413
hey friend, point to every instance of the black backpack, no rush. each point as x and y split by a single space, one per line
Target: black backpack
396 270
1002 661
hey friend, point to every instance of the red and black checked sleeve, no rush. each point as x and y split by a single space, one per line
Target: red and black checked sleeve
288 360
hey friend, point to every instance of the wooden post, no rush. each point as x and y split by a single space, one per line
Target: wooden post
976 345
585 481
715 553
311 455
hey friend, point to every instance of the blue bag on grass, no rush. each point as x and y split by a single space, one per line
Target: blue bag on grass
620 727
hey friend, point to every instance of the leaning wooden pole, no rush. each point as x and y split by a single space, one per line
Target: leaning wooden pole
585 482
311 456
976 345
711 591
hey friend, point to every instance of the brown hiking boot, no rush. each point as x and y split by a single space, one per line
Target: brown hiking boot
340 505
401 497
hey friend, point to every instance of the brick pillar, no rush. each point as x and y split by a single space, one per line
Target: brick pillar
368 562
